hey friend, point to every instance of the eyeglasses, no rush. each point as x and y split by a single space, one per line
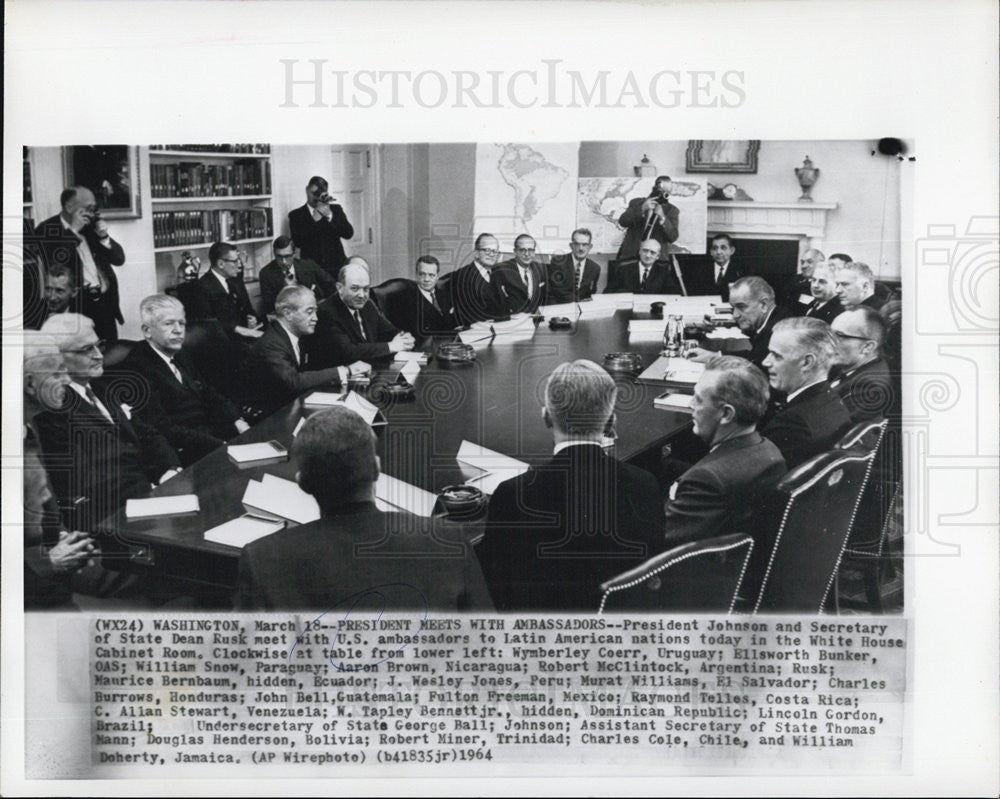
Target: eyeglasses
490 251
97 346
840 335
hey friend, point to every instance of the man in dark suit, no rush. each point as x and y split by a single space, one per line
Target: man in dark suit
474 292
318 227
713 277
825 304
521 280
653 217
424 308
78 237
351 327
556 532
284 361
718 494
864 384
648 275
222 295
90 445
287 270
192 416
573 277
856 287
756 314
355 557
812 417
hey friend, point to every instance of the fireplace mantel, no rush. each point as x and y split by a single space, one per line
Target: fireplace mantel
766 220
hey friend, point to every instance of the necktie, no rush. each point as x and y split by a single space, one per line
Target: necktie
526 277
176 371
579 274
233 296
361 327
290 277
92 398
434 301
645 274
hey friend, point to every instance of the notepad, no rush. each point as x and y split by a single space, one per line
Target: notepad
404 496
277 498
263 451
673 371
241 531
674 402
161 506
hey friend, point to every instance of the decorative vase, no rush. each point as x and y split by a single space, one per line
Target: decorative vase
807 175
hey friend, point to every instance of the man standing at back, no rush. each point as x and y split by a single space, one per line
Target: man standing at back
555 533
318 227
355 557
573 277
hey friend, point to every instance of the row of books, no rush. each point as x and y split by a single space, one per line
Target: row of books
215 148
193 179
174 228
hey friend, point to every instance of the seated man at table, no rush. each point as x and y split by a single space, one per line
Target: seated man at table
823 288
573 277
856 287
647 275
283 362
864 384
192 416
222 295
474 289
287 270
91 446
717 495
355 556
555 533
798 362
351 327
424 307
521 280
62 295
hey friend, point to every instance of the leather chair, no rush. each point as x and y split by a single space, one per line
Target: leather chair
814 507
702 576
387 297
212 352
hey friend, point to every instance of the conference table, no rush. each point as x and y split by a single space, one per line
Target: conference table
494 401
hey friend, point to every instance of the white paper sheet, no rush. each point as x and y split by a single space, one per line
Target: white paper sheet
404 496
245 453
410 371
677 401
416 356
486 459
241 531
568 309
161 506
280 497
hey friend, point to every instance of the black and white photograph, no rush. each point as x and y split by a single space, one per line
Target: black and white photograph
468 417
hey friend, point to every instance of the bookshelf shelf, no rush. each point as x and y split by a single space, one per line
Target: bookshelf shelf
192 155
213 199
207 244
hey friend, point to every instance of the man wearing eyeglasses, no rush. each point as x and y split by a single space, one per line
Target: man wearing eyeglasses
864 384
91 445
573 277
521 280
474 288
78 237
287 270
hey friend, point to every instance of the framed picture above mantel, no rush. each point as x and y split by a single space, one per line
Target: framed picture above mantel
723 155
111 172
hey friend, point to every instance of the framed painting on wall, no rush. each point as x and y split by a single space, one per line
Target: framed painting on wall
111 172
723 155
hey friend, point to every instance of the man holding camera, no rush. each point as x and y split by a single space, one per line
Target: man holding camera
318 227
653 217
79 237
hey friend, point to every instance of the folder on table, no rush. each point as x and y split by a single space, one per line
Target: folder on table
276 498
681 373
257 454
403 496
242 530
161 506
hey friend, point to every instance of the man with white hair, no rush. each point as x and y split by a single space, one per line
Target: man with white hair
856 287
647 275
351 327
179 402
812 417
91 446
555 533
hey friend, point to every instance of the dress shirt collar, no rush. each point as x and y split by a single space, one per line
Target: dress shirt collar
168 358
316 215
428 295
82 391
572 442
766 320
223 280
291 337
483 271
793 394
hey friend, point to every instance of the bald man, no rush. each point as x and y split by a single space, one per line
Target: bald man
351 327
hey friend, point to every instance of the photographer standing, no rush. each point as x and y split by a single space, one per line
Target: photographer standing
78 237
651 218
318 226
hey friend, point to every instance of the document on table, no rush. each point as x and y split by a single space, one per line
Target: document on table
417 356
497 466
161 506
567 309
241 531
280 498
404 496
410 371
349 399
674 402
263 451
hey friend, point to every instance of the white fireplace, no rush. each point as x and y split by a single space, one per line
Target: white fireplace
804 222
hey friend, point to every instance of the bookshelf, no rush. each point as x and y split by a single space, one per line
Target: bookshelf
28 204
203 193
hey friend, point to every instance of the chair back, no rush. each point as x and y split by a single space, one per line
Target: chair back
118 351
701 576
865 435
816 504
211 350
387 296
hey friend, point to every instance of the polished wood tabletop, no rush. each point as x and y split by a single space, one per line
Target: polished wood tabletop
495 401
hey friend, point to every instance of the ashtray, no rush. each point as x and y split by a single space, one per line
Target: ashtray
456 352
623 362
462 501
656 310
560 323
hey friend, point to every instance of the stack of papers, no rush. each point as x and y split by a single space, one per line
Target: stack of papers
722 333
519 328
241 531
680 372
276 498
496 466
568 309
674 402
601 305
270 451
161 506
349 399
395 495
418 356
